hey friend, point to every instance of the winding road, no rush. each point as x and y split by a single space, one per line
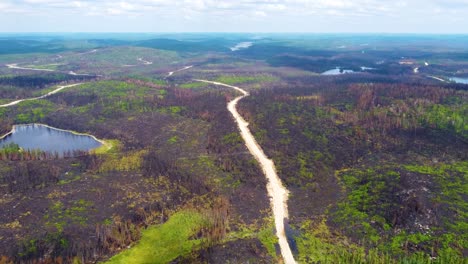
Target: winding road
42 96
15 66
277 192
145 62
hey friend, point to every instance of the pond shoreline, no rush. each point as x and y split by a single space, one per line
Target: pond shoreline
101 141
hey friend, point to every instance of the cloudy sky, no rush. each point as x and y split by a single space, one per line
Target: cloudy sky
401 16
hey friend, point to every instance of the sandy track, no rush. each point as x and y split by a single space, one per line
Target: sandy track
277 192
15 66
183 69
145 62
436 78
42 96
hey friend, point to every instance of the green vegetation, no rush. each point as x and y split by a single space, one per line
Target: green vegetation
361 134
112 89
43 67
10 149
131 161
166 242
233 79
33 111
375 162
317 244
160 82
269 239
369 209
193 85
449 118
60 215
109 146
368 199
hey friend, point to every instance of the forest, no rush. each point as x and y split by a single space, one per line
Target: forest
375 160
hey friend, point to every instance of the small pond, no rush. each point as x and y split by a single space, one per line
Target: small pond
337 71
49 139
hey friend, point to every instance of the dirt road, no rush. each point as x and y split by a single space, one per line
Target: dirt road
277 192
42 96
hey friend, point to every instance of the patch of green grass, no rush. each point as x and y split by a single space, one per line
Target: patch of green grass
316 245
269 240
112 89
173 140
166 242
43 67
233 79
127 161
33 111
147 79
109 146
70 177
173 109
60 215
193 85
451 118
233 138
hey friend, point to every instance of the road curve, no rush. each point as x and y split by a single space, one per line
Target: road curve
42 96
145 62
277 192
15 66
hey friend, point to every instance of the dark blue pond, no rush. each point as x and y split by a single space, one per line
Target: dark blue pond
35 136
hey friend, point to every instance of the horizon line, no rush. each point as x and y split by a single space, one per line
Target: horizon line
232 32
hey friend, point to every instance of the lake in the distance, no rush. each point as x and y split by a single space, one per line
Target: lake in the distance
459 80
337 71
242 45
36 136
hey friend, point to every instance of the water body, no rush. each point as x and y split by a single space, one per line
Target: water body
337 71
242 45
459 80
49 139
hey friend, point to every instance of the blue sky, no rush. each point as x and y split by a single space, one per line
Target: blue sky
395 16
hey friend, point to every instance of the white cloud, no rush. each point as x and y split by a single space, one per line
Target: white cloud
211 6
259 13
281 12
275 7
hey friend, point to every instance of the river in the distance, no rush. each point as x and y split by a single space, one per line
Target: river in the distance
48 139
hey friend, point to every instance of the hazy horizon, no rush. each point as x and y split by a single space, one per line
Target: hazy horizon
244 16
